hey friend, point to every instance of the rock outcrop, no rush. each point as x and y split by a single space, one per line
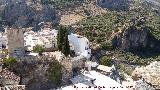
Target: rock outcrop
155 4
115 4
150 74
133 38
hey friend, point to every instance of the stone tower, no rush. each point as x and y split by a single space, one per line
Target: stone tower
15 37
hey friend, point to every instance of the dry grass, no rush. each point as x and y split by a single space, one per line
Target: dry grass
70 19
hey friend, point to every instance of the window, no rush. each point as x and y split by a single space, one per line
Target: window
87 43
88 52
54 45
86 48
28 45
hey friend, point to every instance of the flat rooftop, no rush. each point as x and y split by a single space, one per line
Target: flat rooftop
101 82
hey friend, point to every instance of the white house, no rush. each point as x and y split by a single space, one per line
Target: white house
28 41
48 38
45 38
31 40
80 45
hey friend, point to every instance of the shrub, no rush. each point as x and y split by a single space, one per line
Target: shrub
107 61
107 46
123 68
38 49
8 62
55 72
123 78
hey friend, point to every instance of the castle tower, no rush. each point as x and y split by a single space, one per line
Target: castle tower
15 37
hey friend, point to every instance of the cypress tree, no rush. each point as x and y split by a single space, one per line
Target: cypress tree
60 38
62 41
66 47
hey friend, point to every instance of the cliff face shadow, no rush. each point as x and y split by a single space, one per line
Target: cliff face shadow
151 50
117 5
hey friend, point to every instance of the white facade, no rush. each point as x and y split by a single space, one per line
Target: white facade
80 45
48 38
45 38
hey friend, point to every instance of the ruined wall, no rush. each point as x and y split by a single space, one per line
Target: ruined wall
78 62
15 39
67 70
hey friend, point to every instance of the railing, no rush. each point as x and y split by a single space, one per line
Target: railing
18 87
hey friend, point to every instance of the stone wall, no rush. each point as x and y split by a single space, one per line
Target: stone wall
69 64
41 64
78 62
67 70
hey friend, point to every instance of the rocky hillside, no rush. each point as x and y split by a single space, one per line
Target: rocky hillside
135 37
38 73
154 3
26 13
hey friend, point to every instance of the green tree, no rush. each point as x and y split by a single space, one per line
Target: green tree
107 46
66 47
1 20
55 72
38 49
62 41
105 60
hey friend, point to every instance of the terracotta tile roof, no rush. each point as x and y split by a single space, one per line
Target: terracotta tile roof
6 74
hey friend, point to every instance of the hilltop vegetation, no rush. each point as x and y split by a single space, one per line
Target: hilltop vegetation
99 30
62 3
105 24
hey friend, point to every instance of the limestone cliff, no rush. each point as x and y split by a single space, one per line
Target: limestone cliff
150 74
134 38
